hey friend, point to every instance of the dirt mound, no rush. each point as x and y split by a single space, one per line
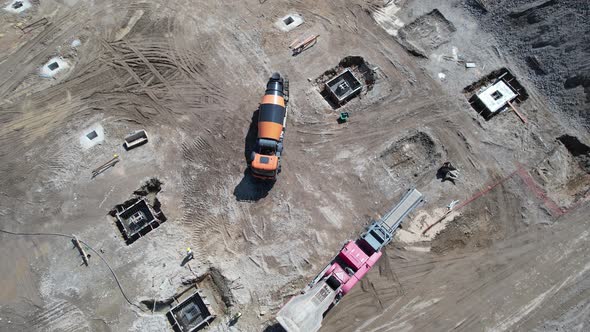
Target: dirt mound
223 287
356 64
564 174
160 306
486 221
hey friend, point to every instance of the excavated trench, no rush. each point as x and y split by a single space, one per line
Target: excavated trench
579 150
360 68
150 209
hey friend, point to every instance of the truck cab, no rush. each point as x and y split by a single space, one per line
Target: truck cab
266 159
351 265
265 166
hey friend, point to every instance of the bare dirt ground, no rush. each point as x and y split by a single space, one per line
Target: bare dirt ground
191 73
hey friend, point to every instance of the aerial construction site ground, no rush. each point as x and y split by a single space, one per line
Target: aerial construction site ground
513 257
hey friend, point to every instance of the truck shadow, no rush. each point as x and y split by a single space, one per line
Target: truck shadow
250 188
251 136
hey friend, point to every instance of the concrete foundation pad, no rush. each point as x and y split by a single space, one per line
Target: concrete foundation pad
496 96
289 22
53 66
92 136
18 6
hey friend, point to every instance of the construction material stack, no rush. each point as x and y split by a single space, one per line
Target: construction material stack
304 313
265 161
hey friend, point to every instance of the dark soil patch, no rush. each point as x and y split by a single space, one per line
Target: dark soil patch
579 150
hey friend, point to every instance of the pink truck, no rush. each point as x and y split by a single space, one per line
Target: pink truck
351 264
305 312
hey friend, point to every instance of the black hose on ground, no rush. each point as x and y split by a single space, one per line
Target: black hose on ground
91 249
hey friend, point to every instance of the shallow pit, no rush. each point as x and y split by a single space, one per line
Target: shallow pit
426 33
192 314
353 71
343 87
411 156
288 20
141 214
193 308
92 135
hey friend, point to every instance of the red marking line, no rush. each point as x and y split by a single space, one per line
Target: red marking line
474 197
539 192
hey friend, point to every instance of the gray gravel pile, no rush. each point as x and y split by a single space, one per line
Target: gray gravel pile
551 40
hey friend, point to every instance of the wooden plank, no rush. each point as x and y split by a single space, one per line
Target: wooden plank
520 116
82 251
299 47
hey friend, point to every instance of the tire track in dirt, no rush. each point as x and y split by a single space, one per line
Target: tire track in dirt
177 85
483 288
44 111
148 92
31 54
195 70
156 73
55 94
59 315
197 199
166 72
384 125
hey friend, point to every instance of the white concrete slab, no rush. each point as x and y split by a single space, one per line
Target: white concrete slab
289 22
92 136
496 96
53 66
